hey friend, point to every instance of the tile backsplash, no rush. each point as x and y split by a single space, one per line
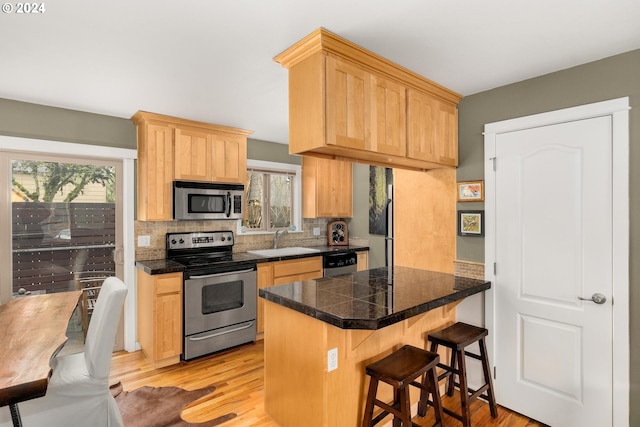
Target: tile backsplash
474 270
157 231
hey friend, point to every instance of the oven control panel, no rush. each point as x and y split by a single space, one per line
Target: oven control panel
199 240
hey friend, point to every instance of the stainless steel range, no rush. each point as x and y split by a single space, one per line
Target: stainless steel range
219 295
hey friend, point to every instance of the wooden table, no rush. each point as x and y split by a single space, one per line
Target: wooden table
33 331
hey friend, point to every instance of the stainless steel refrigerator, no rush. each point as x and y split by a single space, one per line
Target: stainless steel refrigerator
388 238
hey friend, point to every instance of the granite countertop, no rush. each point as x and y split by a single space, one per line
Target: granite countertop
161 266
373 299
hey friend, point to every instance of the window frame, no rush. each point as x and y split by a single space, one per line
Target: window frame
296 171
9 145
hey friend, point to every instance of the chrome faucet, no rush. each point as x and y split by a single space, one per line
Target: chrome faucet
276 237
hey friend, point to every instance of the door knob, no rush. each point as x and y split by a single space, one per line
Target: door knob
597 298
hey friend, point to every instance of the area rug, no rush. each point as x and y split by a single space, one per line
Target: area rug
160 406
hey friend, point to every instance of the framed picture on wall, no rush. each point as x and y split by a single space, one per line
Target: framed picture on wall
471 191
471 223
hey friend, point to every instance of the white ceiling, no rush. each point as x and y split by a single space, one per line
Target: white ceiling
212 60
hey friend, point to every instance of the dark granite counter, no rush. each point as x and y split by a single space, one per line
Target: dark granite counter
161 266
373 299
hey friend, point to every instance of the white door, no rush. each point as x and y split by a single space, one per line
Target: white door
553 237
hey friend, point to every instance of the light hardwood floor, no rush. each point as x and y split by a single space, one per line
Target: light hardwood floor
239 380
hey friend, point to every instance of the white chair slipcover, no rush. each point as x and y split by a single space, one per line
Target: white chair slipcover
78 393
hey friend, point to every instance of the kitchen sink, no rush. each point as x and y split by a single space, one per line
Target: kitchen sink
297 250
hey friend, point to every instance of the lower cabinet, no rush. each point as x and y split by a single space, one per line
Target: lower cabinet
363 260
281 272
160 317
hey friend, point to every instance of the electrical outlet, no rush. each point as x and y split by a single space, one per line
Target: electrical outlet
316 231
144 241
332 359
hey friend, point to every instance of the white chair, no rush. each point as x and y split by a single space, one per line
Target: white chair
78 393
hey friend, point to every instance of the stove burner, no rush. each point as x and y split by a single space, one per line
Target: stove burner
203 260
206 252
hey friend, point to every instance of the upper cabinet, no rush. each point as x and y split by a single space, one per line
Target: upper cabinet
327 188
346 102
209 156
432 125
171 148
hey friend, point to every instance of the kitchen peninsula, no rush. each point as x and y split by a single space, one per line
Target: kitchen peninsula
364 316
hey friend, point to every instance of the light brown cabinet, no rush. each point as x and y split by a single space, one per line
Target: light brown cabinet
171 148
347 102
160 317
363 260
210 157
281 272
364 111
432 124
327 188
155 171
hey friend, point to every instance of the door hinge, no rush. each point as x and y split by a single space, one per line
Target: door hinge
494 372
495 268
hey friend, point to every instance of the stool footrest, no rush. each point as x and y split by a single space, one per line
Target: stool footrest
473 355
452 414
388 408
476 393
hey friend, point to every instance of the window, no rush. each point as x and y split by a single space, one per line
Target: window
66 225
272 197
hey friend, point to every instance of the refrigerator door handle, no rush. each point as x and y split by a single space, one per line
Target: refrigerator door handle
388 239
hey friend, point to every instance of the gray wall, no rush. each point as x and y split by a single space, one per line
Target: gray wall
610 78
28 120
271 152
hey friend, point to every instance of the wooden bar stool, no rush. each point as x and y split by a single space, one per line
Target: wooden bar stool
457 337
400 369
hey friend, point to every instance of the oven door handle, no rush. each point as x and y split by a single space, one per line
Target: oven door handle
217 334
206 276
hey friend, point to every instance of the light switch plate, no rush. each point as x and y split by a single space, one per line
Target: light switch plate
144 241
316 231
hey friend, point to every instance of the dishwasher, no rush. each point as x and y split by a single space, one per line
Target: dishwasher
340 263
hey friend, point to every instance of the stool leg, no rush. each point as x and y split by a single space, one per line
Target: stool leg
397 404
451 379
432 378
464 389
424 395
368 409
487 379
405 406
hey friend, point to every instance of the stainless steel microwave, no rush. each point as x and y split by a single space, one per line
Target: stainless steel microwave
205 200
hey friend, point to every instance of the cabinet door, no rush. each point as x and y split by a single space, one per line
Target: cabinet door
155 172
331 185
348 118
297 269
229 158
167 318
168 326
363 260
343 182
432 129
388 117
192 155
